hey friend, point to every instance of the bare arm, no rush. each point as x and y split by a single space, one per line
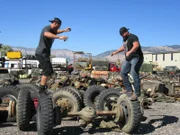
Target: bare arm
50 35
135 47
60 31
65 30
117 51
54 36
120 49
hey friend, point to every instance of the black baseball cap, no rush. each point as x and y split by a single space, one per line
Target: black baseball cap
123 30
57 20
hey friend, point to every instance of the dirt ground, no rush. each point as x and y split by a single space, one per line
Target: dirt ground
162 119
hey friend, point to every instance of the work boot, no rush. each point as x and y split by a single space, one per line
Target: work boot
43 91
132 96
123 91
143 118
43 94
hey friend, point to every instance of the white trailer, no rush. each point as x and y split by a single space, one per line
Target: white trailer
59 63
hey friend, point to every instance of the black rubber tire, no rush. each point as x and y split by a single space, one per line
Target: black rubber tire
57 115
105 98
45 116
82 95
24 107
132 113
71 96
91 93
33 89
12 92
75 91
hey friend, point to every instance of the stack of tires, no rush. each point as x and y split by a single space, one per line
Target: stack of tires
26 109
52 109
103 99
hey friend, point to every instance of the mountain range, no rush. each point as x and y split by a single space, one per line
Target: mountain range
104 55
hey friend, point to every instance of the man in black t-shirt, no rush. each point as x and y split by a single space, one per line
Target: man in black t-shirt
133 61
43 51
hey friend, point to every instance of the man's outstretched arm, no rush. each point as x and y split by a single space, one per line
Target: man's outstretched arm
54 36
65 30
117 51
50 35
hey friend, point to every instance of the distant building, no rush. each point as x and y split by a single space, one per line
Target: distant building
169 58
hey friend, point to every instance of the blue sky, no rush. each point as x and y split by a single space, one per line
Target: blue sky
95 23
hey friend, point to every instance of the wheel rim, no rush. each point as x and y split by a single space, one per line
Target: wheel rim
65 104
10 101
11 97
125 111
109 102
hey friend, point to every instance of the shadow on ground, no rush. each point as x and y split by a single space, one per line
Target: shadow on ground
33 127
146 128
77 130
3 125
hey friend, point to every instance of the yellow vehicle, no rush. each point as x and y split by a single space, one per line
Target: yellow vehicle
14 55
82 61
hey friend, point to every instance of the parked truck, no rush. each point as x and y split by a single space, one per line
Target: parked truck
59 63
29 61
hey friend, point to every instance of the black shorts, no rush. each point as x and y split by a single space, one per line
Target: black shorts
45 65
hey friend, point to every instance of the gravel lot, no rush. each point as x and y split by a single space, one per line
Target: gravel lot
162 119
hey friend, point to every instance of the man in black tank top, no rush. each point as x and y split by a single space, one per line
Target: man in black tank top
132 63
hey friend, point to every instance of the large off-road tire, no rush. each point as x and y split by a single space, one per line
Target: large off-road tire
131 112
45 116
68 100
24 109
75 91
57 115
106 99
8 93
91 94
33 89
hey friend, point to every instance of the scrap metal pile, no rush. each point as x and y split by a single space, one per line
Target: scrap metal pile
93 96
84 79
161 88
157 88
